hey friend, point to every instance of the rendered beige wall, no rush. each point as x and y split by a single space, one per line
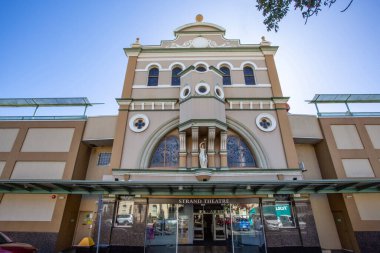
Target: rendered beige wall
102 127
270 142
357 168
95 171
2 165
38 170
237 75
324 220
368 205
7 138
27 207
327 232
374 134
306 154
305 126
134 142
48 140
346 137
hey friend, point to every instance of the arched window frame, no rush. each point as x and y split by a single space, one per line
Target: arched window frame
249 75
226 75
242 156
176 80
167 153
153 74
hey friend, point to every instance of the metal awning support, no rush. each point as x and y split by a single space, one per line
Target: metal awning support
151 188
345 99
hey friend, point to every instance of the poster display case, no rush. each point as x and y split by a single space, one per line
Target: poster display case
183 229
219 227
198 227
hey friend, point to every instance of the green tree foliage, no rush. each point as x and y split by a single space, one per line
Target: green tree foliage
275 10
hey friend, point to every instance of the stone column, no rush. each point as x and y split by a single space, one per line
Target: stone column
194 149
223 150
182 150
211 147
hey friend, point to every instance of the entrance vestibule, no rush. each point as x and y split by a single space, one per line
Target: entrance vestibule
203 225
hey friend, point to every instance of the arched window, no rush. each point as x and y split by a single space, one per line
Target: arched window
166 153
176 81
153 77
249 76
238 153
226 76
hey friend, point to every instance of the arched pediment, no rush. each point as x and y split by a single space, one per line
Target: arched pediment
200 27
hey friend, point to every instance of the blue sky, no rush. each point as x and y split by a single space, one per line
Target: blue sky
51 48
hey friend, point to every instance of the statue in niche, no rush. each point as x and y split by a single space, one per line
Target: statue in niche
202 155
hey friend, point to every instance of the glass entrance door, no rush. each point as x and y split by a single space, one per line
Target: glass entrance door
161 229
246 227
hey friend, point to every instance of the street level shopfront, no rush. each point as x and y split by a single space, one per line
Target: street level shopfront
265 216
201 223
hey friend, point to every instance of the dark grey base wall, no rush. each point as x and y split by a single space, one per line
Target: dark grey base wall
369 241
45 242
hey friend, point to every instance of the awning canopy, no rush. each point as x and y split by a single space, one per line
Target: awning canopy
44 102
345 98
189 188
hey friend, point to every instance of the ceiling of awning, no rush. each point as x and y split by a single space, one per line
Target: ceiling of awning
189 189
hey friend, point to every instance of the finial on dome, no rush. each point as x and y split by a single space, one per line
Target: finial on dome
199 18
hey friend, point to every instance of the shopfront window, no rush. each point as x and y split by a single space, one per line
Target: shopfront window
161 229
124 215
278 214
246 228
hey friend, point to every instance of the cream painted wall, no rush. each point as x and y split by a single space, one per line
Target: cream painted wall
95 171
237 76
305 126
368 205
306 154
7 138
2 165
346 137
38 170
247 92
157 93
89 203
48 140
374 134
202 108
357 168
135 142
101 127
324 220
27 207
270 142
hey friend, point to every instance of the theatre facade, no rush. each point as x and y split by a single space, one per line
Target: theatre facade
203 155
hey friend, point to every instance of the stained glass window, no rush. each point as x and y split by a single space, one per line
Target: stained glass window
153 77
166 153
226 76
238 153
176 81
249 76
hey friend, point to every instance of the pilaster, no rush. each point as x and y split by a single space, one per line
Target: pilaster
194 149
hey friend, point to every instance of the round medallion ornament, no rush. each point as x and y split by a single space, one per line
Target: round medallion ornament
266 122
138 123
200 42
